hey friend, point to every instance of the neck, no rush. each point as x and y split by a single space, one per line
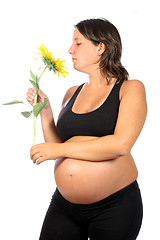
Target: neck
97 80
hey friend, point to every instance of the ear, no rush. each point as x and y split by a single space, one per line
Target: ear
101 48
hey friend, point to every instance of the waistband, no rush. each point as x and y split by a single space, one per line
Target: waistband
115 195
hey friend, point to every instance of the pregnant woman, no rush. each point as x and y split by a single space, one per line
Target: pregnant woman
97 194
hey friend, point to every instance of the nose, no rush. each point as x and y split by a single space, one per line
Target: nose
71 50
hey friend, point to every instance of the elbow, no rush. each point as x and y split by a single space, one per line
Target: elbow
123 145
124 149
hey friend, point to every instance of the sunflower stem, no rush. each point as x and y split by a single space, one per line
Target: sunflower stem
41 74
34 129
34 120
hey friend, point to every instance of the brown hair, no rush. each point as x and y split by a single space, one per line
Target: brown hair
102 31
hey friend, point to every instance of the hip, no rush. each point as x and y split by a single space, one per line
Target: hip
117 217
125 200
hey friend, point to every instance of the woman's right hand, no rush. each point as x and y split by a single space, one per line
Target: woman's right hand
40 98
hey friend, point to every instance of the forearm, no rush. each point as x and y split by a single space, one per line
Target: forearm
99 149
48 127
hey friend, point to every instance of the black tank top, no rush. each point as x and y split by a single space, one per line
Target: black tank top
99 122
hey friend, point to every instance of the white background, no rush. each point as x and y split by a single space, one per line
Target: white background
26 189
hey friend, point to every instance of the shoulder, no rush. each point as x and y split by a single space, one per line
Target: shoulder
133 83
132 87
69 93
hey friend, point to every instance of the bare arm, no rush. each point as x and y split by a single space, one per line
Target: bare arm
47 119
131 118
48 126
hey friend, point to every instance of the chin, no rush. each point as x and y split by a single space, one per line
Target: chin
80 69
77 68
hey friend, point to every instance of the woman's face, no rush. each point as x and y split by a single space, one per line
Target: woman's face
85 55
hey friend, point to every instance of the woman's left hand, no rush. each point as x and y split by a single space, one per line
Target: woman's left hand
44 151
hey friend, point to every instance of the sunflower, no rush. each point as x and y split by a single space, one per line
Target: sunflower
52 64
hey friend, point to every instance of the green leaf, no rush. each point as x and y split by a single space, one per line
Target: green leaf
26 114
35 85
34 78
13 102
39 107
37 79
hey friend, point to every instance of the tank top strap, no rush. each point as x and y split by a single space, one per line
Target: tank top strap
76 93
114 95
99 122
114 92
118 85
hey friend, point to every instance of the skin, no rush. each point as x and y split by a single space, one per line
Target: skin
88 168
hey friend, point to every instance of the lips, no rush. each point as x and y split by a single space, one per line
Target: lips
74 59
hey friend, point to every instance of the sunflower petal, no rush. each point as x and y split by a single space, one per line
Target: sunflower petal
50 62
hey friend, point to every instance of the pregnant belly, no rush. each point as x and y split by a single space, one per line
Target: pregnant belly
87 182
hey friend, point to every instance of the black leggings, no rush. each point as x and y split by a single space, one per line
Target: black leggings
117 217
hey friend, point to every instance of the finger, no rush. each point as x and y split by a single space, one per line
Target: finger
36 157
30 101
30 96
30 93
40 160
34 150
31 90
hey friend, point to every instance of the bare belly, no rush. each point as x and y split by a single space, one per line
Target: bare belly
86 182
